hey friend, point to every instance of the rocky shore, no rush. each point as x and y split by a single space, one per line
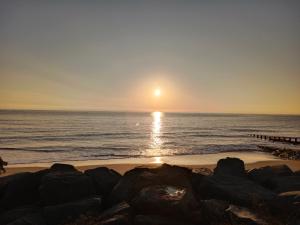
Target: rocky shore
283 153
166 195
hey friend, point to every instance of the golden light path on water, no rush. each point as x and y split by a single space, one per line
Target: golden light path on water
156 141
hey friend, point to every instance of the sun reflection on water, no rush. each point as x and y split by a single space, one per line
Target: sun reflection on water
156 141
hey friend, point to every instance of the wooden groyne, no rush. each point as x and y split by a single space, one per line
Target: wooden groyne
290 140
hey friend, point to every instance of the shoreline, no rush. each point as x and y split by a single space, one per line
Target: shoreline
251 159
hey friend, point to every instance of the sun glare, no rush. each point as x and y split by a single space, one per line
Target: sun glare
157 92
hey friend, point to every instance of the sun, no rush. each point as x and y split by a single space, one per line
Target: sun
157 92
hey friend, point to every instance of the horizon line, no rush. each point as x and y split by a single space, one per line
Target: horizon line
147 111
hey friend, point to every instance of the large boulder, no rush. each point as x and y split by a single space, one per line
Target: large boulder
264 174
285 207
61 167
118 214
284 184
165 200
14 214
292 196
134 180
214 211
59 214
61 187
157 220
104 179
20 189
120 209
234 189
116 220
230 166
30 219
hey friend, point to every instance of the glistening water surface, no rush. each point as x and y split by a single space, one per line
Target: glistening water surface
46 136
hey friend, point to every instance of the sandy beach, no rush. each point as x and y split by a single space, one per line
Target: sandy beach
251 159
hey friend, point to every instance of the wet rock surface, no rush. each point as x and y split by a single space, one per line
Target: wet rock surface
62 195
164 200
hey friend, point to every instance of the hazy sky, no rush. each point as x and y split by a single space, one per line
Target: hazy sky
206 56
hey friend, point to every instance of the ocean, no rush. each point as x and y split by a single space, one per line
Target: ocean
49 136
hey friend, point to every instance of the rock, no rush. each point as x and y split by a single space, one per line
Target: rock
203 171
116 220
57 187
118 214
120 209
58 214
134 180
240 215
14 214
292 196
214 211
297 173
30 219
230 166
285 204
20 189
242 221
264 174
284 184
157 220
60 167
164 200
174 175
234 189
130 184
104 179
294 219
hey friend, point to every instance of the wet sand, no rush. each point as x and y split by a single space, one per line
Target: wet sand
251 159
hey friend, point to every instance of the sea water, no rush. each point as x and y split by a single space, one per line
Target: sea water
48 136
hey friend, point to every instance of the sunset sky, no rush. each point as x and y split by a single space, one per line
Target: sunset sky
203 56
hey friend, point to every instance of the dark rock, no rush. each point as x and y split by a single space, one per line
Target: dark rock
60 167
285 205
20 189
297 173
57 187
242 221
130 184
14 214
164 200
157 220
116 220
284 184
230 166
120 209
174 175
240 215
294 218
118 214
264 174
291 196
134 180
236 190
58 214
104 179
214 211
203 171
30 219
